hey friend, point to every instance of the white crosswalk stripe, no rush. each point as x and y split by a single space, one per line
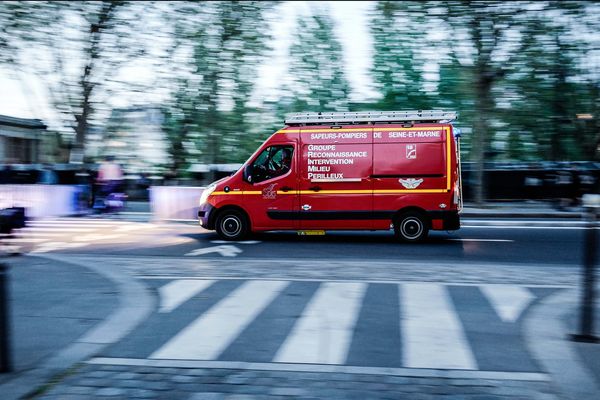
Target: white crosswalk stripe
209 335
322 335
178 292
508 301
432 334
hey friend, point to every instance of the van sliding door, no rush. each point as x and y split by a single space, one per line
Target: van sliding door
335 182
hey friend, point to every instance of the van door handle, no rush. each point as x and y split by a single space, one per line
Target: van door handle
286 189
315 188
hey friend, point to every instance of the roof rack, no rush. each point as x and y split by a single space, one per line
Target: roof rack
370 116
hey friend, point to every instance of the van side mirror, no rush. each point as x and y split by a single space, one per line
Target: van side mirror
248 173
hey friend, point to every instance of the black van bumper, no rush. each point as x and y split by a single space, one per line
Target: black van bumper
450 219
206 216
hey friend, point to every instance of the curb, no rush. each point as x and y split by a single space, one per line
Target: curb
135 304
546 336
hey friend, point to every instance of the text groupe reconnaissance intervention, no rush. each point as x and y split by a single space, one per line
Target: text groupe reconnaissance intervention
326 155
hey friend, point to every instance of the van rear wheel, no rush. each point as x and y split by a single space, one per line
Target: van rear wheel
232 225
411 227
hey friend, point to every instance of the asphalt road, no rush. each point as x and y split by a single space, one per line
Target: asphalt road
538 242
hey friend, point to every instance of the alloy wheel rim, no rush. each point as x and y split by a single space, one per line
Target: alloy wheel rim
411 228
231 226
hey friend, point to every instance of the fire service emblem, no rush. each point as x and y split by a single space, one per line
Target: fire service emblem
411 183
269 192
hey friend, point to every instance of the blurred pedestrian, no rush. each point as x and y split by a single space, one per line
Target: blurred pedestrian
110 175
568 187
563 182
108 181
575 188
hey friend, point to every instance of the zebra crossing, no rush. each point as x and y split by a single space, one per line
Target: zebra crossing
393 325
47 235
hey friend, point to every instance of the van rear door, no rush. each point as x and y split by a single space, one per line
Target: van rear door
410 165
335 177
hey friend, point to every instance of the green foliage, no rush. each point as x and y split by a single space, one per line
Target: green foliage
517 72
318 81
399 31
226 41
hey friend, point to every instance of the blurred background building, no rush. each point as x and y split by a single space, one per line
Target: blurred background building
139 128
23 141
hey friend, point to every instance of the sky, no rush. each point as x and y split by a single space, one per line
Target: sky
351 27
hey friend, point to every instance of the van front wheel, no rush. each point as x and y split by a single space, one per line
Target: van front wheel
232 225
411 227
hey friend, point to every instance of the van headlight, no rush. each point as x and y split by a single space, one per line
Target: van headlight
206 192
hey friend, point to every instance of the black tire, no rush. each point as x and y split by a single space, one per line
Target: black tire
232 225
411 226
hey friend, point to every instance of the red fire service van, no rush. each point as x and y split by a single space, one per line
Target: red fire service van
345 171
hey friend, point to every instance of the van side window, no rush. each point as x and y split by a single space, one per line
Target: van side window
272 162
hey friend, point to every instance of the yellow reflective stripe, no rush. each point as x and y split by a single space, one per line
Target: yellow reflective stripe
378 191
236 192
448 161
394 191
336 192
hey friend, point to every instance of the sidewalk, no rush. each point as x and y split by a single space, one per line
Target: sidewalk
140 210
520 209
61 314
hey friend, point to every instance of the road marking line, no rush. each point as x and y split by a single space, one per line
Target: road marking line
96 237
134 227
481 240
65 224
22 234
521 221
53 246
434 336
339 369
35 229
77 222
239 242
24 240
175 293
226 250
211 333
509 301
524 227
393 281
322 334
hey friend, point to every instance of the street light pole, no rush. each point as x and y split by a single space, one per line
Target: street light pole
586 323
5 359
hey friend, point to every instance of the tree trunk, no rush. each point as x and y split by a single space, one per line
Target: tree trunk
483 110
